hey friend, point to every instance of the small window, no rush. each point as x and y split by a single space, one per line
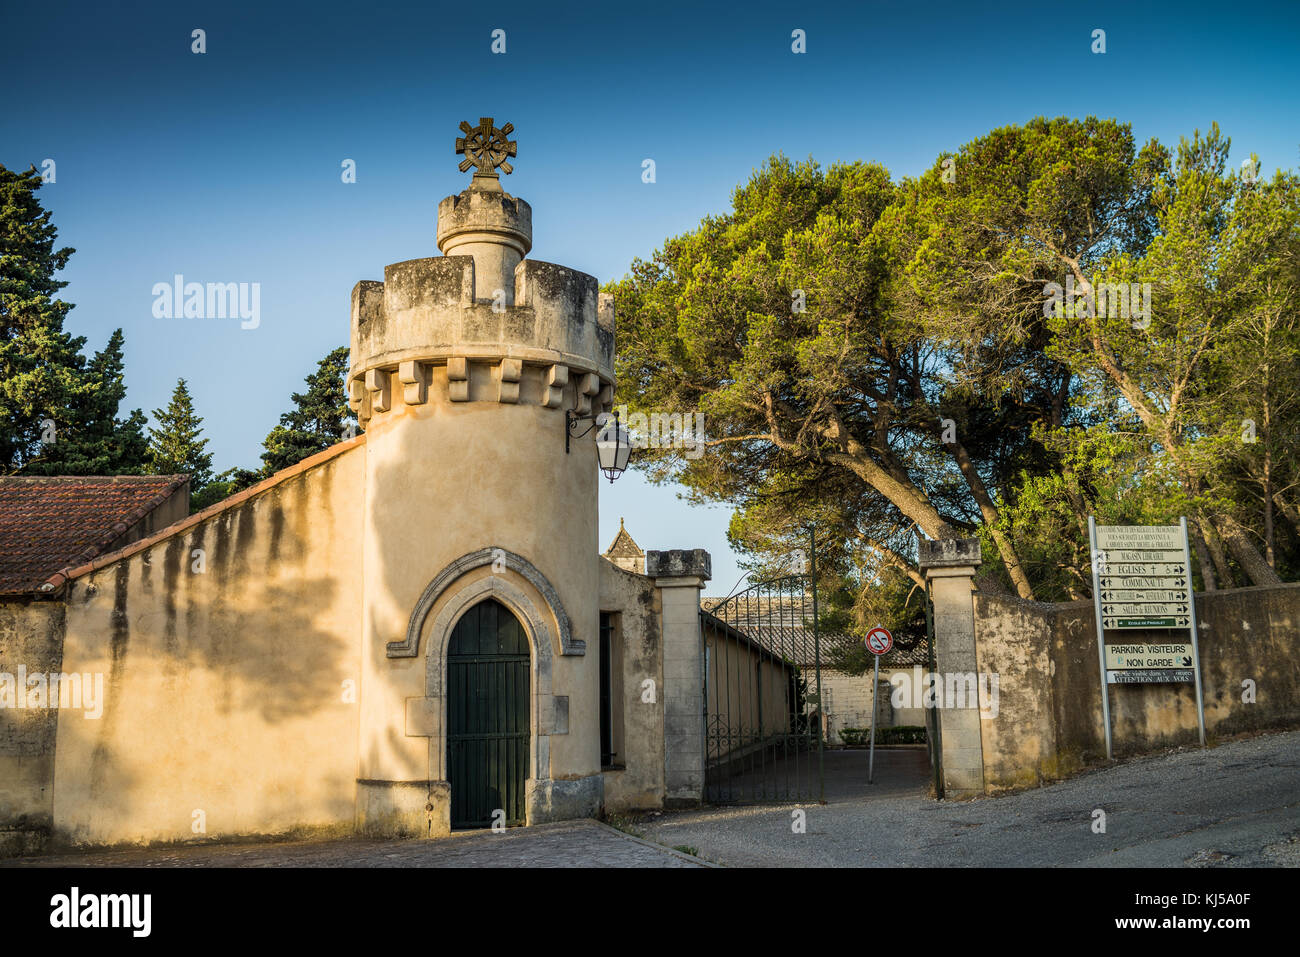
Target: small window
611 691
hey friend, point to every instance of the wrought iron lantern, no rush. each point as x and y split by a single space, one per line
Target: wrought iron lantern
613 443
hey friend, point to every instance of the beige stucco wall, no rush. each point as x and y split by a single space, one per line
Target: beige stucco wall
749 693
230 691
31 638
640 783
847 699
447 479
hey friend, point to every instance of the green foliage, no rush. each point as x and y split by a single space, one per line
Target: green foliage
320 417
48 388
898 734
875 358
175 446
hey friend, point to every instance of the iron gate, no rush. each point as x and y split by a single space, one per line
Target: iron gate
762 694
488 723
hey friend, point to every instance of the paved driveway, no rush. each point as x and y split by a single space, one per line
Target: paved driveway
1237 804
567 844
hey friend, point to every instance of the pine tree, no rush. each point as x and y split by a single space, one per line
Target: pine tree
58 411
175 446
320 417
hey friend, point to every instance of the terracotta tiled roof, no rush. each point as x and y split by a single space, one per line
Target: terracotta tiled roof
48 523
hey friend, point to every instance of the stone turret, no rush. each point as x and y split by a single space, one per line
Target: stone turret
462 369
481 323
493 228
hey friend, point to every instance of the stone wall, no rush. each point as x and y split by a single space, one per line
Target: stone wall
1049 719
31 641
639 783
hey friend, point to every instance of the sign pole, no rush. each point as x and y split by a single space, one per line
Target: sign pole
1101 639
1196 653
878 642
875 707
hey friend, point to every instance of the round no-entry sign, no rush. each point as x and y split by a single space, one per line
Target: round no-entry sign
879 640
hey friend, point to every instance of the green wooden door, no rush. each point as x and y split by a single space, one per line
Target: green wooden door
487 716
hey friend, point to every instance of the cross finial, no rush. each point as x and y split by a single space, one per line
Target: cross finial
486 147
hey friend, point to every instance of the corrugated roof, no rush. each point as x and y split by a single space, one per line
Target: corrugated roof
778 622
48 523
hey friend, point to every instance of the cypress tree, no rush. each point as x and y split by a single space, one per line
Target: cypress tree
175 446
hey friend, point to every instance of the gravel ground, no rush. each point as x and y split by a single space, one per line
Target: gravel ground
1234 805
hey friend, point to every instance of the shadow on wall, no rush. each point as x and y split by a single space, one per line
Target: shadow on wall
231 676
1049 722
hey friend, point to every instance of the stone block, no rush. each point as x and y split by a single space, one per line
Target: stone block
554 800
679 563
947 552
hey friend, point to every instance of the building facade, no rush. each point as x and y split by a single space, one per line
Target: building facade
409 632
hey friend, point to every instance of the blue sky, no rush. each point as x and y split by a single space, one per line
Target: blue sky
225 166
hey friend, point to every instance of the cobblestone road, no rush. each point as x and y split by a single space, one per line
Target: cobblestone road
568 844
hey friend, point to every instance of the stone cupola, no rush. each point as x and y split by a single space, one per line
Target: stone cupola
481 322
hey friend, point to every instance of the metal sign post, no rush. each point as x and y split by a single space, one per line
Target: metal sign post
1097 557
1196 653
879 641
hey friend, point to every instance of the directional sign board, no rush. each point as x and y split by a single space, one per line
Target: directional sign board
1152 676
1115 623
1141 537
1142 576
1142 579
1156 569
1151 555
1141 655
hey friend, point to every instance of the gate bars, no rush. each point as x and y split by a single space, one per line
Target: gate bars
762 693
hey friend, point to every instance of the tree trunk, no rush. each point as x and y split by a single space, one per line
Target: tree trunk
989 512
1290 511
1246 554
1215 545
1202 558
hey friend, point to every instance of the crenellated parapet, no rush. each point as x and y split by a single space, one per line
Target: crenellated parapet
484 324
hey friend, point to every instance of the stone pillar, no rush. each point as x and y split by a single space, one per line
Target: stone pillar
679 575
949 567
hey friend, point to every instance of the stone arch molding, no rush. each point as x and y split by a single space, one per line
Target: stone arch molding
409 646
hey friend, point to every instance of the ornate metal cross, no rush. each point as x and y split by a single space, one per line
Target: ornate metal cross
486 147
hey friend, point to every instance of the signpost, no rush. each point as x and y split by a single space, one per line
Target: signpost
878 642
1142 579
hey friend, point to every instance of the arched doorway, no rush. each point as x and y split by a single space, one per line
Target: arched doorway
488 726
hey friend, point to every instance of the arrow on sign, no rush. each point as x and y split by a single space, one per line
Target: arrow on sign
1150 583
1141 568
